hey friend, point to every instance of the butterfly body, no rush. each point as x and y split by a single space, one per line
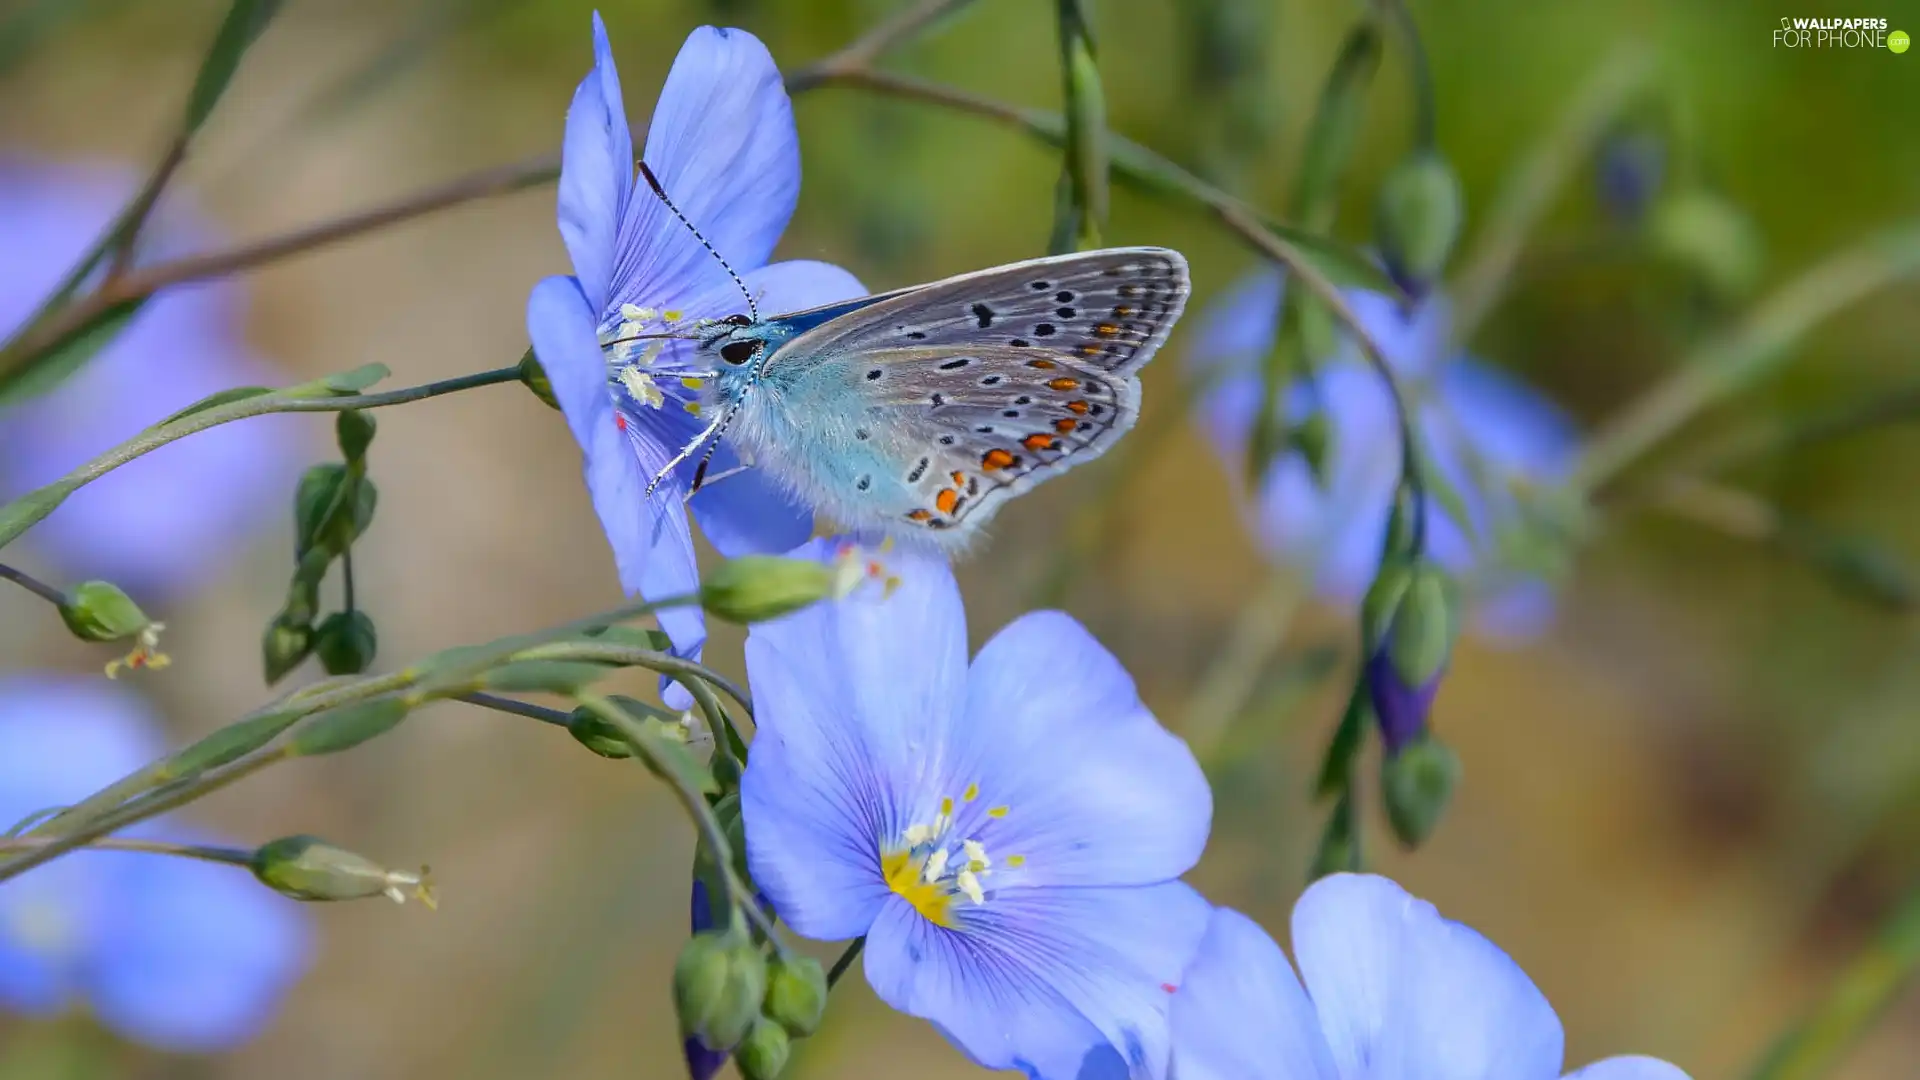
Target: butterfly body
917 413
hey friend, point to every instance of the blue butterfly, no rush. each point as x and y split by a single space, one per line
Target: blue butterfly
918 413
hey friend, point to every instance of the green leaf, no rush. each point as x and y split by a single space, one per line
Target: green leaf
551 676
342 383
231 743
53 366
22 513
632 637
347 727
244 23
238 393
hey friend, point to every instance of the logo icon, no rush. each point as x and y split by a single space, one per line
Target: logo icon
1898 41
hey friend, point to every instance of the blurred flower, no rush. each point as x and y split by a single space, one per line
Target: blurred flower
1007 835
723 145
1483 430
176 953
1629 172
1391 990
167 522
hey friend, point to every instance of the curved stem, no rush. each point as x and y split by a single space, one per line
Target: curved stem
846 960
206 853
33 585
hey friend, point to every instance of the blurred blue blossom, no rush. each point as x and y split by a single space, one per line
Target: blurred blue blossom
175 953
1482 429
723 145
167 522
1007 835
1392 990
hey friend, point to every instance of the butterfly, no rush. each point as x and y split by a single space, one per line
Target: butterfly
917 413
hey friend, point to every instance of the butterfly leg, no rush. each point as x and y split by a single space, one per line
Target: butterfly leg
667 469
709 481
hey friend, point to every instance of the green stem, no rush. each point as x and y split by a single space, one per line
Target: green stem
1752 349
1871 982
863 51
22 513
846 960
33 585
230 856
1086 125
529 710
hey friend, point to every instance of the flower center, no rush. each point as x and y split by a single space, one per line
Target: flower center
632 354
928 865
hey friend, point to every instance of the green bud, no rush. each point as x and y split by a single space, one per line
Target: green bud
1710 236
534 377
313 502
763 1056
347 726
755 588
1416 785
1424 627
726 769
345 643
718 984
1382 601
100 611
309 868
354 432
796 994
594 732
285 645
1417 220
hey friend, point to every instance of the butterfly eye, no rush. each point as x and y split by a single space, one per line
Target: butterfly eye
737 320
739 352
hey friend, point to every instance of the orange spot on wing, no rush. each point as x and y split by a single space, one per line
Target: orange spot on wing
1106 330
1079 407
1091 348
1122 311
946 500
919 515
1064 384
959 478
1065 423
1043 365
995 459
1037 443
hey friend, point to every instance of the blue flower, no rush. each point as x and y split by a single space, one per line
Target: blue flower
174 953
723 145
167 522
1483 430
1392 992
1008 835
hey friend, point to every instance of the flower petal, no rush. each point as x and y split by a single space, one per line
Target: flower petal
199 956
1413 996
1241 1014
723 145
1630 1067
1096 791
596 174
1514 427
854 699
1235 333
652 545
1017 984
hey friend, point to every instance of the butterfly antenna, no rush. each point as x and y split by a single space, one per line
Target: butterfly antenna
661 193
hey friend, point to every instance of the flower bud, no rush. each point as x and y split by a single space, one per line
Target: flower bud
309 868
597 734
764 1055
100 611
1629 172
534 377
755 588
332 506
702 1063
345 643
1416 783
284 646
1417 220
718 983
1709 236
796 994
1409 651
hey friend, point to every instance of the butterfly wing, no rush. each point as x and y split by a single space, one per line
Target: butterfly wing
922 413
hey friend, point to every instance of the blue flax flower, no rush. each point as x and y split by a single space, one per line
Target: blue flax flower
167 522
174 953
1007 835
1483 430
723 145
1393 991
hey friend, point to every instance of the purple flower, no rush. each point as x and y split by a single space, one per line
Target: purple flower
1482 430
171 952
1008 834
723 145
1392 992
167 522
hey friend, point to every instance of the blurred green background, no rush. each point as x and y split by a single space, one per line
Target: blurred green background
1682 809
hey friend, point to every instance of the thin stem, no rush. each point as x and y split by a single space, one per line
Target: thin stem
1425 124
230 856
33 585
846 960
687 671
518 708
346 577
868 47
44 500
1899 405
